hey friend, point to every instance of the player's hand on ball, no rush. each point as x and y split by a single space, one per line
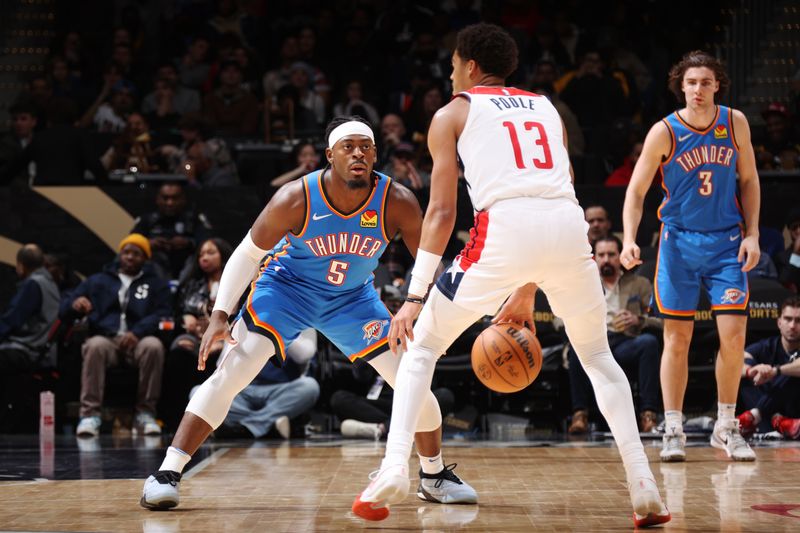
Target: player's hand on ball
402 328
630 256
217 330
749 253
518 309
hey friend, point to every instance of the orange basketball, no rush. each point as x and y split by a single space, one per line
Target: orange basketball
506 357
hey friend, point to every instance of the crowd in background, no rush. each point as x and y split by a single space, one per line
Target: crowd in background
172 88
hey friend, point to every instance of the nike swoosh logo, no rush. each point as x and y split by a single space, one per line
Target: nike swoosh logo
684 137
320 217
733 237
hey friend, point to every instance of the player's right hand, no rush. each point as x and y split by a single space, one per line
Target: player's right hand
217 330
630 256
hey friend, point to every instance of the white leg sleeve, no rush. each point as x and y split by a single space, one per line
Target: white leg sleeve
237 366
587 334
430 416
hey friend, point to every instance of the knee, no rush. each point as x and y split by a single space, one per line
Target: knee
732 341
151 349
339 399
677 341
94 347
308 388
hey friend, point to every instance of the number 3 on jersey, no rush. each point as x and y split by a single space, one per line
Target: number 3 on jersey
337 272
545 163
707 187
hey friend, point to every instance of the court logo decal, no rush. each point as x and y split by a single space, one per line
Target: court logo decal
780 509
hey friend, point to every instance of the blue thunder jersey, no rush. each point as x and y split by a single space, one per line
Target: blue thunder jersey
334 252
699 176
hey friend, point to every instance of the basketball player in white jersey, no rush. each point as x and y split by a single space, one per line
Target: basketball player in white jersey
529 232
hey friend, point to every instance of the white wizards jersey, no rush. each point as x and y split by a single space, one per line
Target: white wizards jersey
512 146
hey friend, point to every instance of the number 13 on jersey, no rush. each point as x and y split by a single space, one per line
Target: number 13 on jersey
540 139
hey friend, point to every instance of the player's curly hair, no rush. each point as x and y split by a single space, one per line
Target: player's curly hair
698 58
338 121
490 46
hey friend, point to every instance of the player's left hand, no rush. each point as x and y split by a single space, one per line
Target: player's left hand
402 328
749 253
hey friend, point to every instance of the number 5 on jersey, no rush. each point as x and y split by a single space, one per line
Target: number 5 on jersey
337 272
545 163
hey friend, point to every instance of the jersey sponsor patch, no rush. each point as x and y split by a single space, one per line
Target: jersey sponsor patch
732 296
369 219
373 330
721 132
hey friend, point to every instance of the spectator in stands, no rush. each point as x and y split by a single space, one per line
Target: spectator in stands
110 116
184 100
12 144
194 66
276 395
40 91
422 112
201 168
599 223
621 175
26 323
173 230
393 132
194 127
577 144
67 84
309 53
547 47
276 78
402 166
770 386
305 157
287 116
231 109
627 301
196 296
788 261
130 150
164 118
124 304
779 147
596 98
62 152
300 78
353 103
58 264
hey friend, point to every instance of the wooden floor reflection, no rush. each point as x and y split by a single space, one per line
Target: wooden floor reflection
298 488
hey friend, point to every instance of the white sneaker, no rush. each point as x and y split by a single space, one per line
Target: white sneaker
672 447
146 424
283 427
389 486
89 426
355 429
445 487
648 508
161 490
726 436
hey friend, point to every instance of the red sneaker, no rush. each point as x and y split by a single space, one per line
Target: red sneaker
788 427
747 424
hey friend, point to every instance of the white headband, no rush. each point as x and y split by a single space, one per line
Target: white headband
349 128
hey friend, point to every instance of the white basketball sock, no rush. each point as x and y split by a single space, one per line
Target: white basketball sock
175 460
673 421
587 334
726 411
431 465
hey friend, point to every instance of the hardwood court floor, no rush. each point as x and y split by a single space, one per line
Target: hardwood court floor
301 487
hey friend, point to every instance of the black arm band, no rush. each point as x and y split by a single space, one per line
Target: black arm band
415 300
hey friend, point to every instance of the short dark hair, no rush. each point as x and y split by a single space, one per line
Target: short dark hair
31 257
338 121
610 238
698 58
490 46
791 301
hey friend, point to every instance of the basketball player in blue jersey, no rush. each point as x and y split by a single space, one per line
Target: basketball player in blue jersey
709 239
322 236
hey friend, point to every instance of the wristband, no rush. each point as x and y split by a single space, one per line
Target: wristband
415 300
422 275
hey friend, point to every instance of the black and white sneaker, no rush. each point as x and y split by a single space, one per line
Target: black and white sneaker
445 487
161 490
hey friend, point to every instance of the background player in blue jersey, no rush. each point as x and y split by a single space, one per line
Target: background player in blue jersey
325 233
709 239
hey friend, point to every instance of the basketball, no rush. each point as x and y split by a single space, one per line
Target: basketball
506 357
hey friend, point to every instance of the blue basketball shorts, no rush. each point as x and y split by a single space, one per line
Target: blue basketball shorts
279 307
691 260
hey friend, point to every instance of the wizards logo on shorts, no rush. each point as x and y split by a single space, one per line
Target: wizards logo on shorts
369 219
373 330
721 132
732 296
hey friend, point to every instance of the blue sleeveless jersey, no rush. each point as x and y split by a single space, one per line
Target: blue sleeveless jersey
699 176
334 252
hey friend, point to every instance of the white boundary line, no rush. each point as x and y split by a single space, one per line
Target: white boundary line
199 467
